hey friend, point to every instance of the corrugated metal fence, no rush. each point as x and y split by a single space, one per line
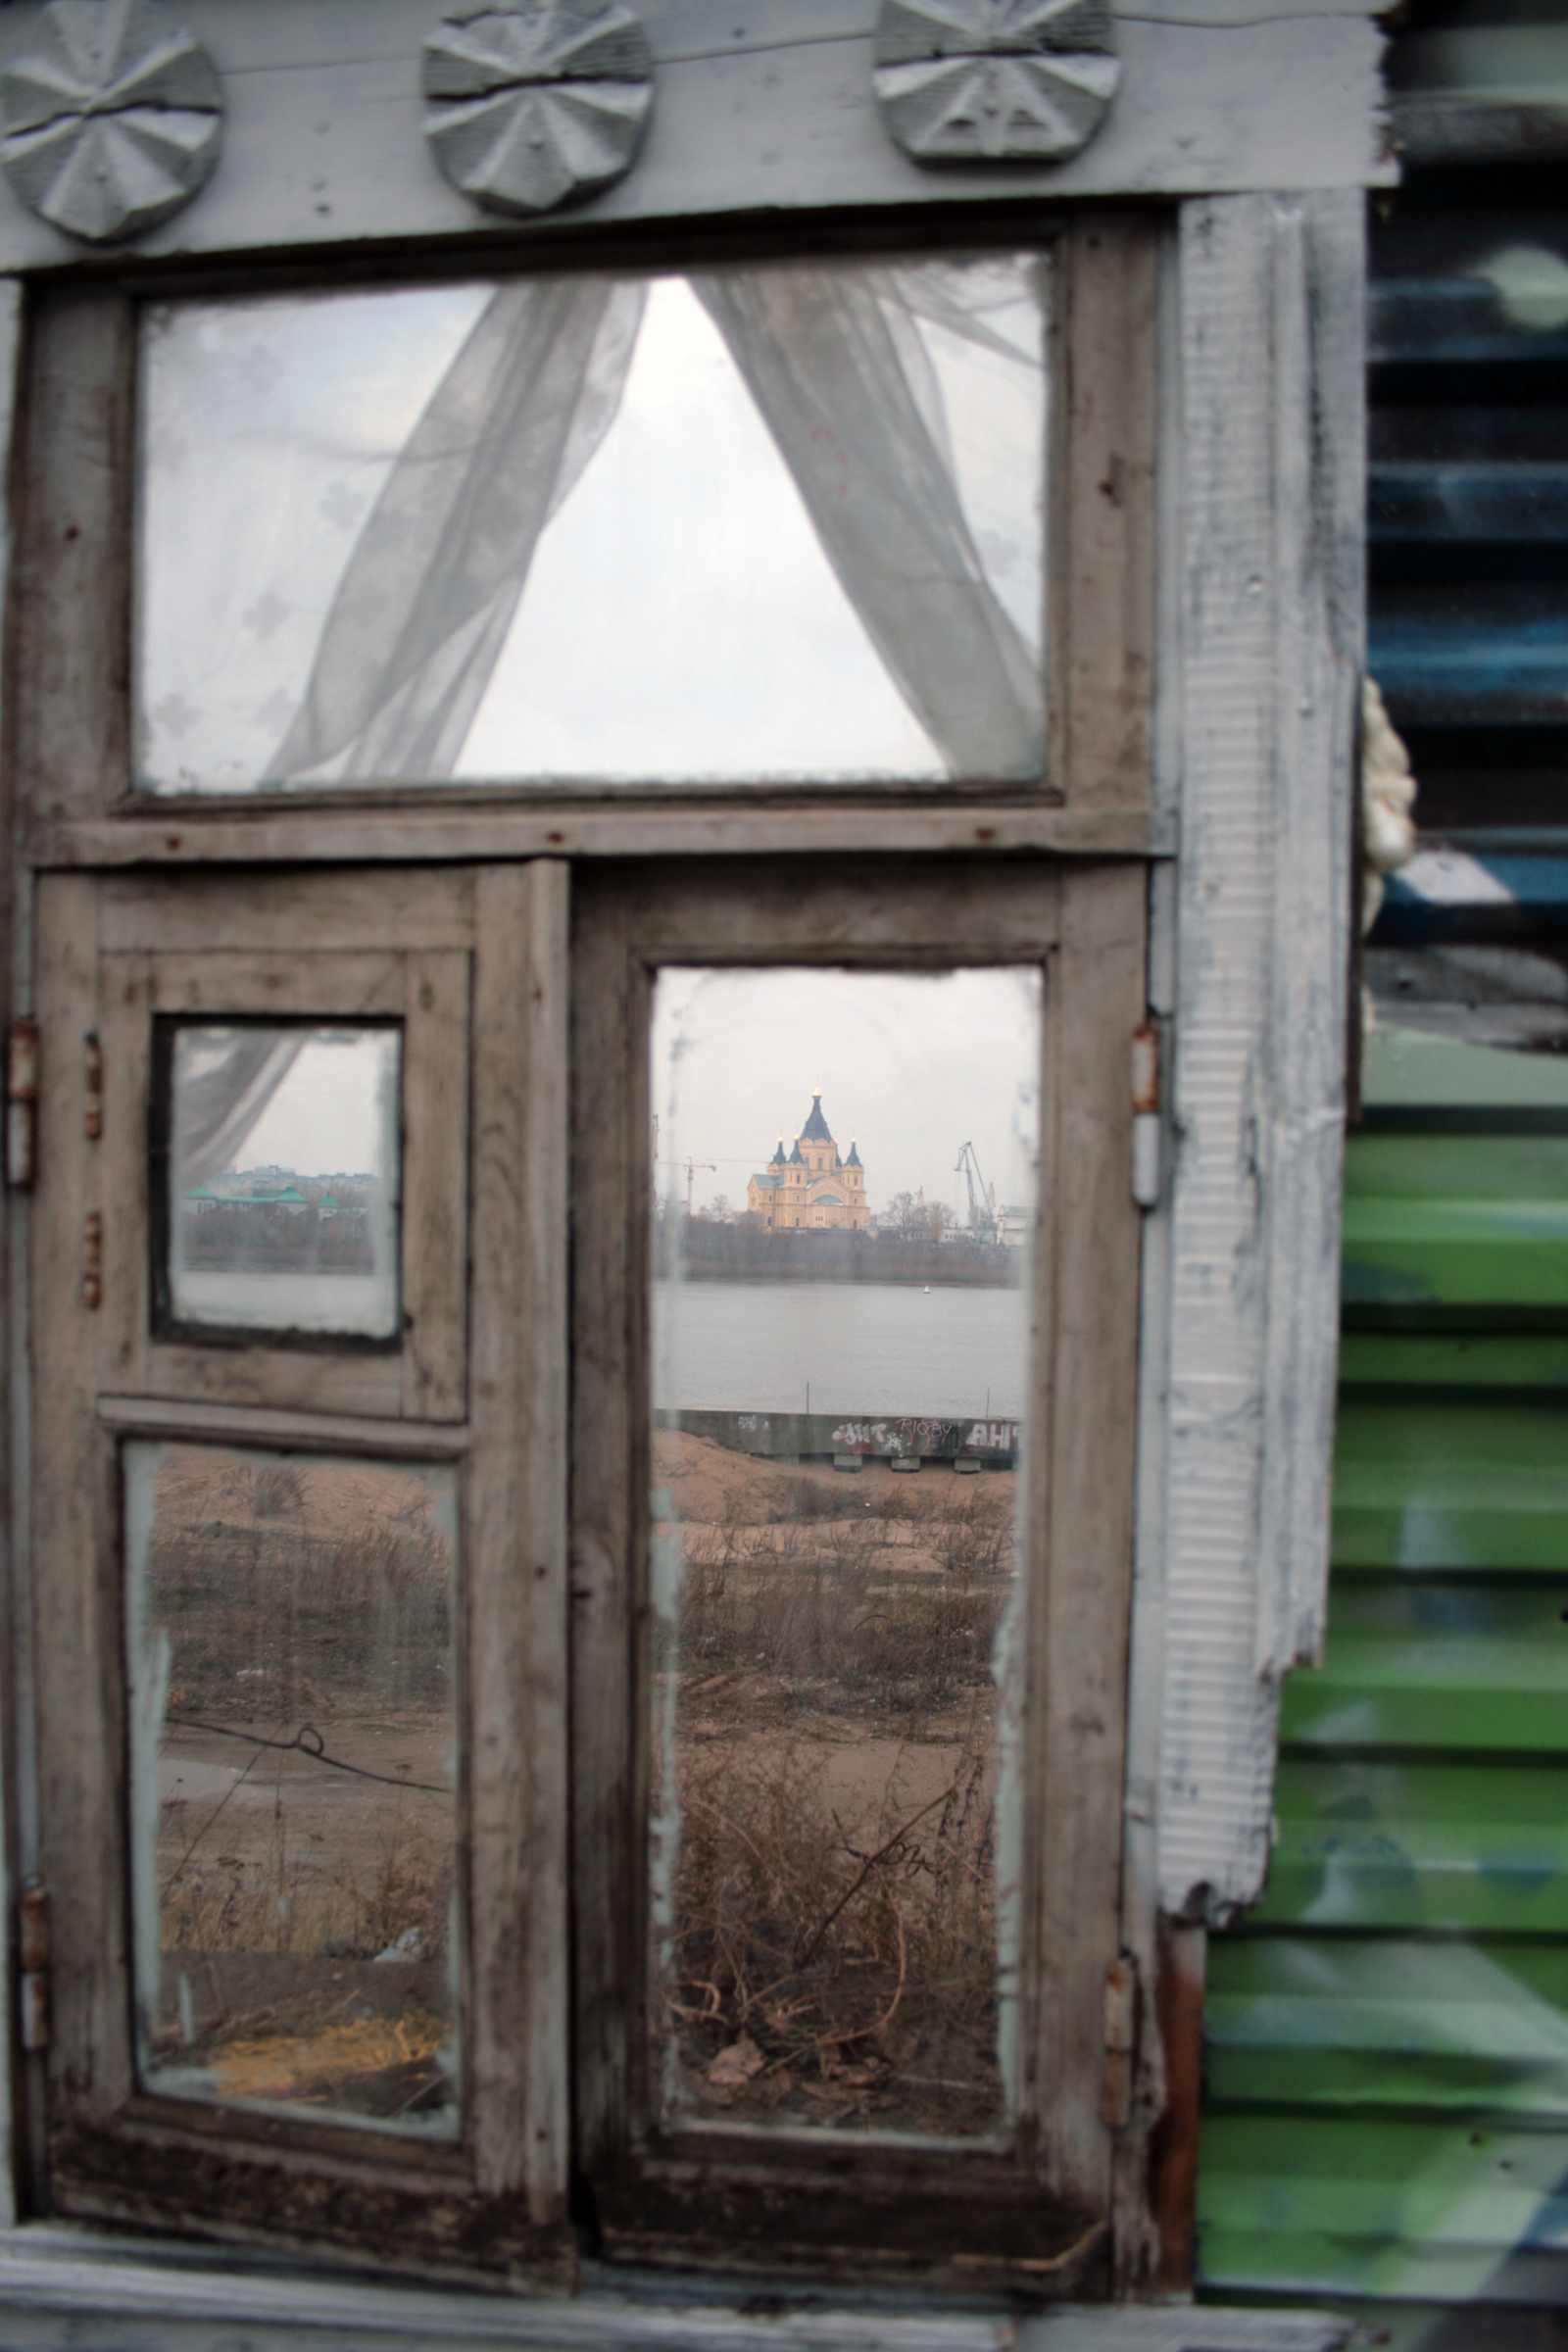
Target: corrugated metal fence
1387 2034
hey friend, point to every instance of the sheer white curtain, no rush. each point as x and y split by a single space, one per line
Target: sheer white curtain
221 1091
835 363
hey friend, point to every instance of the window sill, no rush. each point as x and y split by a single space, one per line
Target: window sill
136 2294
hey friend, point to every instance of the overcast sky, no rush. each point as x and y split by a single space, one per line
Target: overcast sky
911 1066
334 1110
680 618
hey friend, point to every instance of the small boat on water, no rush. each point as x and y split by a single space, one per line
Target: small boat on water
928 1290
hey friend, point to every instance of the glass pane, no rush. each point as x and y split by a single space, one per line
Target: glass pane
842 1354
283 1178
762 522
289 1638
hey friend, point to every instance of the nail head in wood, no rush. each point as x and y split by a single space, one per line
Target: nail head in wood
93 1086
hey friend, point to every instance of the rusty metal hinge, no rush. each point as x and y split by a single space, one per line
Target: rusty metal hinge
22 1103
1146 1171
92 1258
92 1085
32 1982
1121 2039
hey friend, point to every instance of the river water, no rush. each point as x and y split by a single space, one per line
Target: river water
865 1347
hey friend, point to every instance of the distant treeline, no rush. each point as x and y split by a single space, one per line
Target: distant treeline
711 1250
274 1241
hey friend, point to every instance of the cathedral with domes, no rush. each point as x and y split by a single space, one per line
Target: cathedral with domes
811 1186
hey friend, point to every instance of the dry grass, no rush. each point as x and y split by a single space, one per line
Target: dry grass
837 1614
307 1608
833 1954
849 1957
279 1899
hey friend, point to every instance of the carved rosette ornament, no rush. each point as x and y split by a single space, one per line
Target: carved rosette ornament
113 122
536 103
995 82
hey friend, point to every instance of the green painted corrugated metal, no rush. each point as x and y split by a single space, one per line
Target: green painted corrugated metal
1386 2033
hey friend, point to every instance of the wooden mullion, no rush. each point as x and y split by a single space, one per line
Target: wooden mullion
1094 1230
450 823
435 988
70 612
1101 559
80 1667
515 1698
606 1327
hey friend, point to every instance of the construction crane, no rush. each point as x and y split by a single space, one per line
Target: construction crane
982 1201
710 1167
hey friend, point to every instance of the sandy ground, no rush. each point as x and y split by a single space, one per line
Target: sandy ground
833 1713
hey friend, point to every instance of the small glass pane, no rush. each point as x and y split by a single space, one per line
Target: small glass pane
289 1640
747 524
842 1327
283 1178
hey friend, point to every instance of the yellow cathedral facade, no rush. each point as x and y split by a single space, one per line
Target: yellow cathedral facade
811 1186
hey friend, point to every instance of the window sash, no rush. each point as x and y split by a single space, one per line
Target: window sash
655 2187
117 2151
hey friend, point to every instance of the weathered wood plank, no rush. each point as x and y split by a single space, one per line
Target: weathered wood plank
1099 976
435 1186
301 1432
125 1034
1102 569
149 2296
20 2122
285 1379
517 1530
309 982
71 608
846 914
75 1584
324 145
608 1124
295 915
631 827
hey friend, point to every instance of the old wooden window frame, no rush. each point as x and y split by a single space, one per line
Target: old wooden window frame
1087 834
114 954
1037 2217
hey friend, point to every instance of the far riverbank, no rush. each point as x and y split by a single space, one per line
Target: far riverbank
705 1250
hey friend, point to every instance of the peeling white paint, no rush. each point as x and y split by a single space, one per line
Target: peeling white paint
1271 619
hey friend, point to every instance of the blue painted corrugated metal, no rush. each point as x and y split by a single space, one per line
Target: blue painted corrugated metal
1387 2034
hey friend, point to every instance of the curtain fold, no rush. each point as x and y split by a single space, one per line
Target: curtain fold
423 609
839 372
824 364
219 1102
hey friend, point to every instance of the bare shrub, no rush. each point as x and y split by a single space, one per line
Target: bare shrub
277 1491
831 1611
857 1954
277 1897
264 1616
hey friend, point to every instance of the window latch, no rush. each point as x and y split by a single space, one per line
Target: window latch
1121 2039
32 1981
